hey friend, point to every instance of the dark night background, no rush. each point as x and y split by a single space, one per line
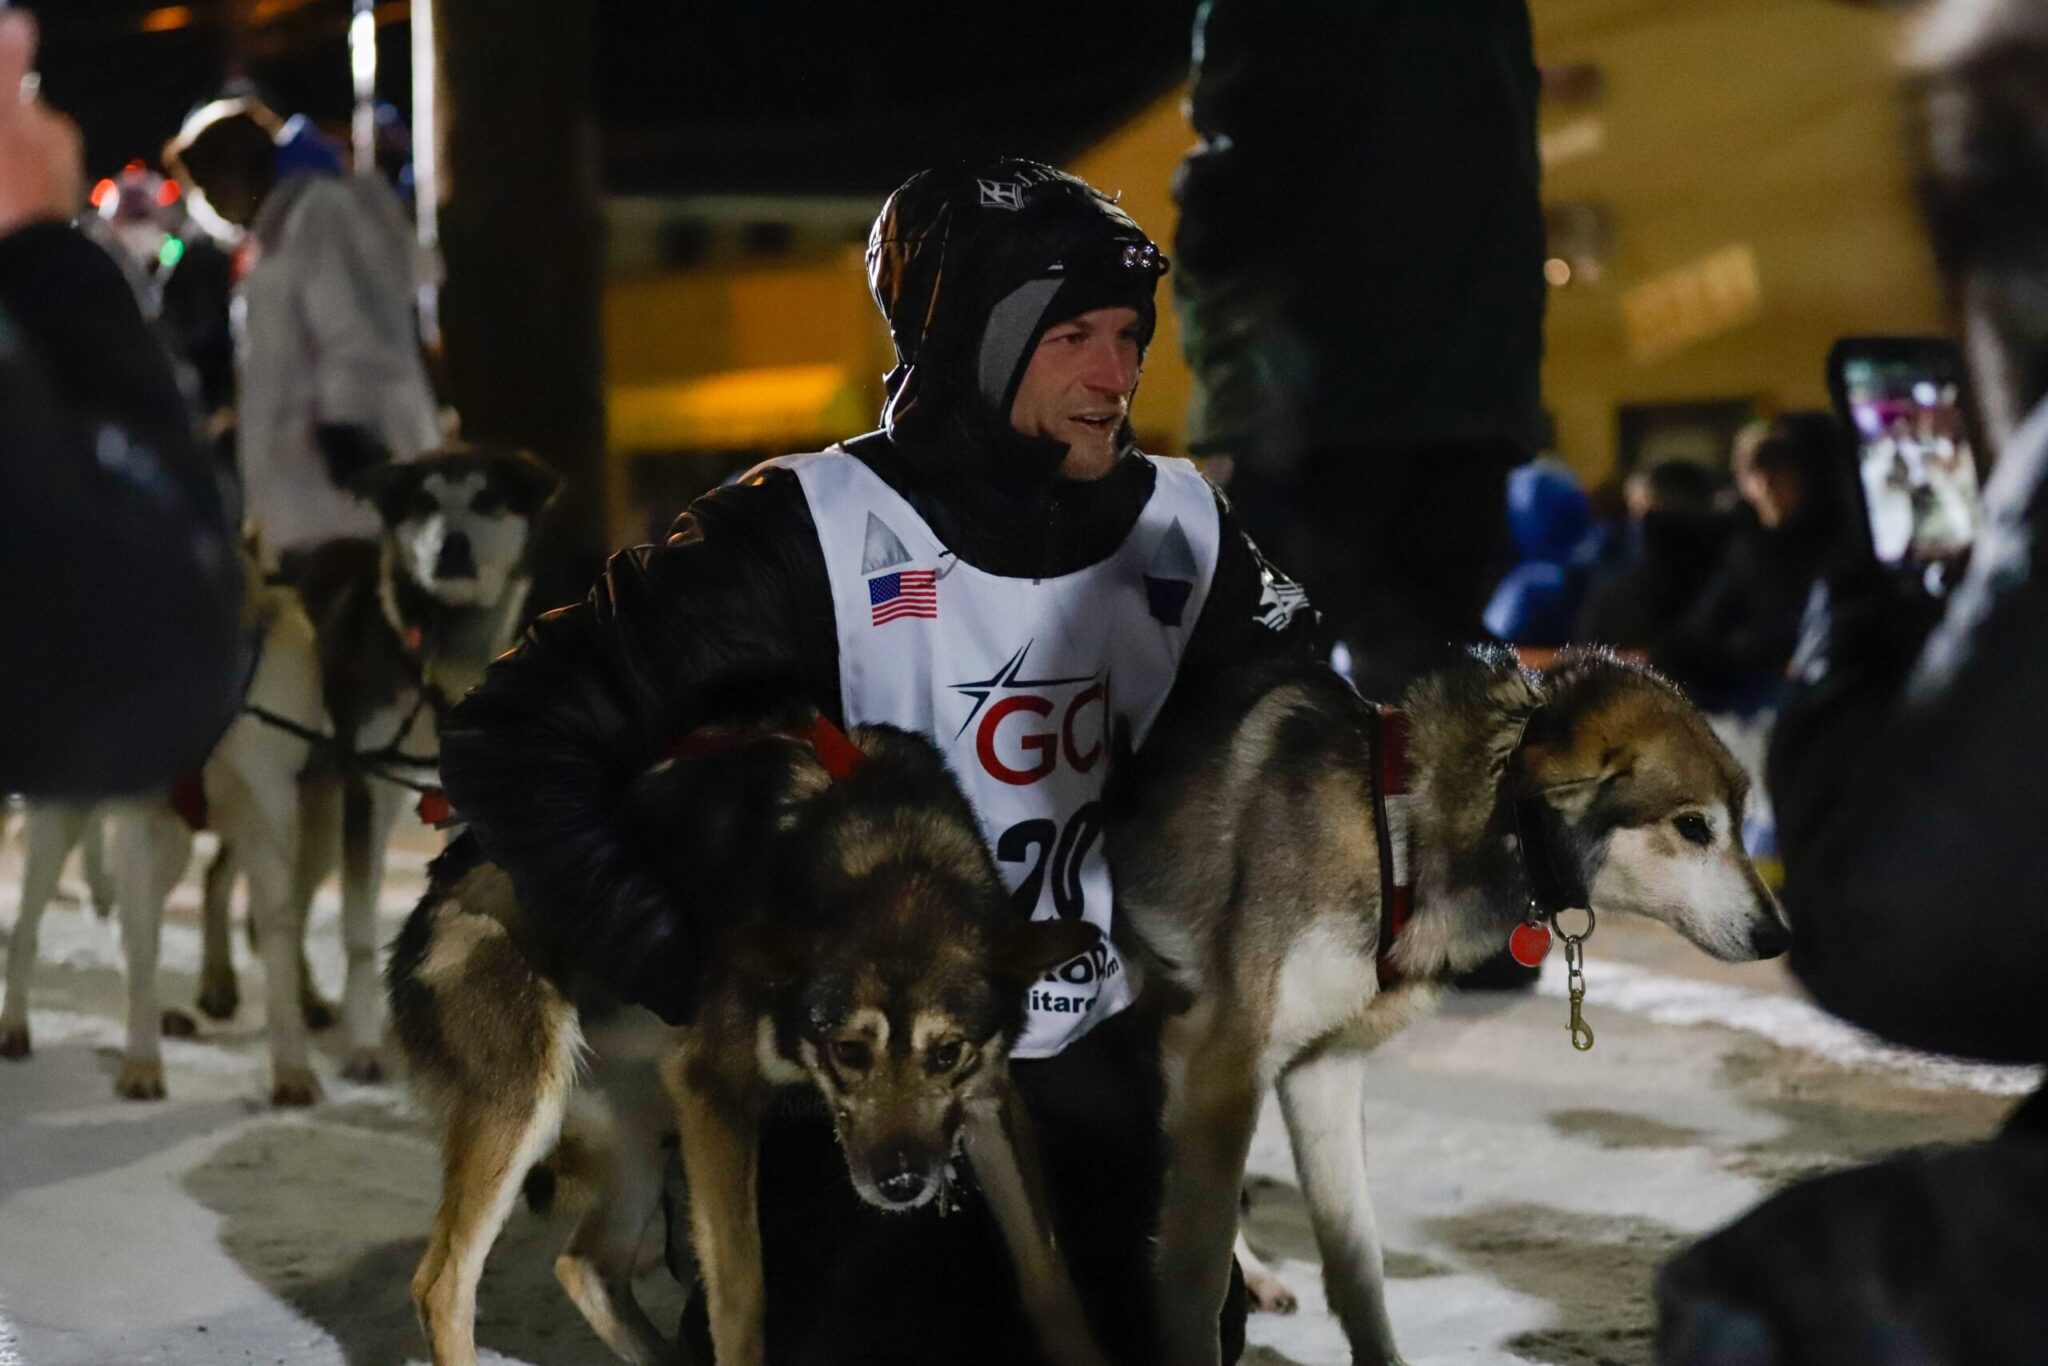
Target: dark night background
712 96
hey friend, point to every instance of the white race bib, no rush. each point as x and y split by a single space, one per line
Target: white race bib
1021 683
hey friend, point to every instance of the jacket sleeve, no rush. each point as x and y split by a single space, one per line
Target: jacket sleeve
121 585
357 359
1253 610
1910 819
538 758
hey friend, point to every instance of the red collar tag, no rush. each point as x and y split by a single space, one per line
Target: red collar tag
839 754
434 808
1530 943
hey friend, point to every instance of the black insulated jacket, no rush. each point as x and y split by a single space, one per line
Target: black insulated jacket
538 758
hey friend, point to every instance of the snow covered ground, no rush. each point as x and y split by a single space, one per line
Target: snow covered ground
1526 1192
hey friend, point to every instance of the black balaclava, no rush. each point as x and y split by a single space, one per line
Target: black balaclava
971 263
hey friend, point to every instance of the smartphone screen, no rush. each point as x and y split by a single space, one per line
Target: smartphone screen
1916 465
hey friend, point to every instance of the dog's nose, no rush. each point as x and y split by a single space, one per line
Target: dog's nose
457 559
902 1188
1769 938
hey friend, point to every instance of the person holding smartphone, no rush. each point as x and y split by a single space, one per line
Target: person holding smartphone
1909 773
121 585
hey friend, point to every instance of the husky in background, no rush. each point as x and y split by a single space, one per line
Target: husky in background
406 625
360 646
1250 879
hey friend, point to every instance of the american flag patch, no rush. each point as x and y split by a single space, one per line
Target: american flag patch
906 593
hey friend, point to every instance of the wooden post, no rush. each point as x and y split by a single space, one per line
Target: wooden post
522 230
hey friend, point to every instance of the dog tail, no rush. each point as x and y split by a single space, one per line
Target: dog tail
573 1175
539 1186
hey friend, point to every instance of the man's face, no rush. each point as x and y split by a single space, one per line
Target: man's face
1774 494
1077 388
234 195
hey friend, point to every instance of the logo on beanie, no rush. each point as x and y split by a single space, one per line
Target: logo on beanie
1001 194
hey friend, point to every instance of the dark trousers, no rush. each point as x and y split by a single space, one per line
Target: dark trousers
850 1285
1399 547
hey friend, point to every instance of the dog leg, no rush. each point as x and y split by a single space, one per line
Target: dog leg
1267 1292
365 833
292 1081
319 854
487 1149
1005 1158
92 860
151 845
603 1254
721 1150
597 1266
1322 1099
1212 1104
219 994
52 830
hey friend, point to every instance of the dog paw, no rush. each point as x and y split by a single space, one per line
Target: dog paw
294 1086
176 1024
219 1000
363 1065
1270 1295
14 1042
140 1079
317 1014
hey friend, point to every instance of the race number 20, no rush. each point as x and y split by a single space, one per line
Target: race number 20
1052 852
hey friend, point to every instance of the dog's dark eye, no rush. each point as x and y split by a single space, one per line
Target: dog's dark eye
1695 828
944 1057
489 503
420 506
852 1054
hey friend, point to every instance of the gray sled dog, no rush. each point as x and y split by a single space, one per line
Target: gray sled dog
1266 850
851 936
406 625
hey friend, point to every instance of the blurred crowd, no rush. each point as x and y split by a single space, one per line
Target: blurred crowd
1702 569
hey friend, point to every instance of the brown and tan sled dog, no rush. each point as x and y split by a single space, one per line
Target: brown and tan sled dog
1248 858
855 938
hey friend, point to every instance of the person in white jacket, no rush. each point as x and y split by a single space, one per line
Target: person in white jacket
330 378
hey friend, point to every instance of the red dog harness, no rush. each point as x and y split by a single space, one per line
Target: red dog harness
836 752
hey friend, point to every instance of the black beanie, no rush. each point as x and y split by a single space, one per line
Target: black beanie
972 262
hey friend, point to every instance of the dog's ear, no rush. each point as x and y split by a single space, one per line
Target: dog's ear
387 486
1569 771
1027 950
529 485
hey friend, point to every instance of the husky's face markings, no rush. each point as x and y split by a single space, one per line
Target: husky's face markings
902 1028
1654 814
899 1081
460 538
461 520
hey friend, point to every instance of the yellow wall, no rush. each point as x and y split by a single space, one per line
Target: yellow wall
1770 124
735 317
1137 162
1765 125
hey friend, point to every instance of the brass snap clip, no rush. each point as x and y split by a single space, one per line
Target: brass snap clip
1575 976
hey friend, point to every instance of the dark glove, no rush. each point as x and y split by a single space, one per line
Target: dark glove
1861 633
347 450
1865 624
